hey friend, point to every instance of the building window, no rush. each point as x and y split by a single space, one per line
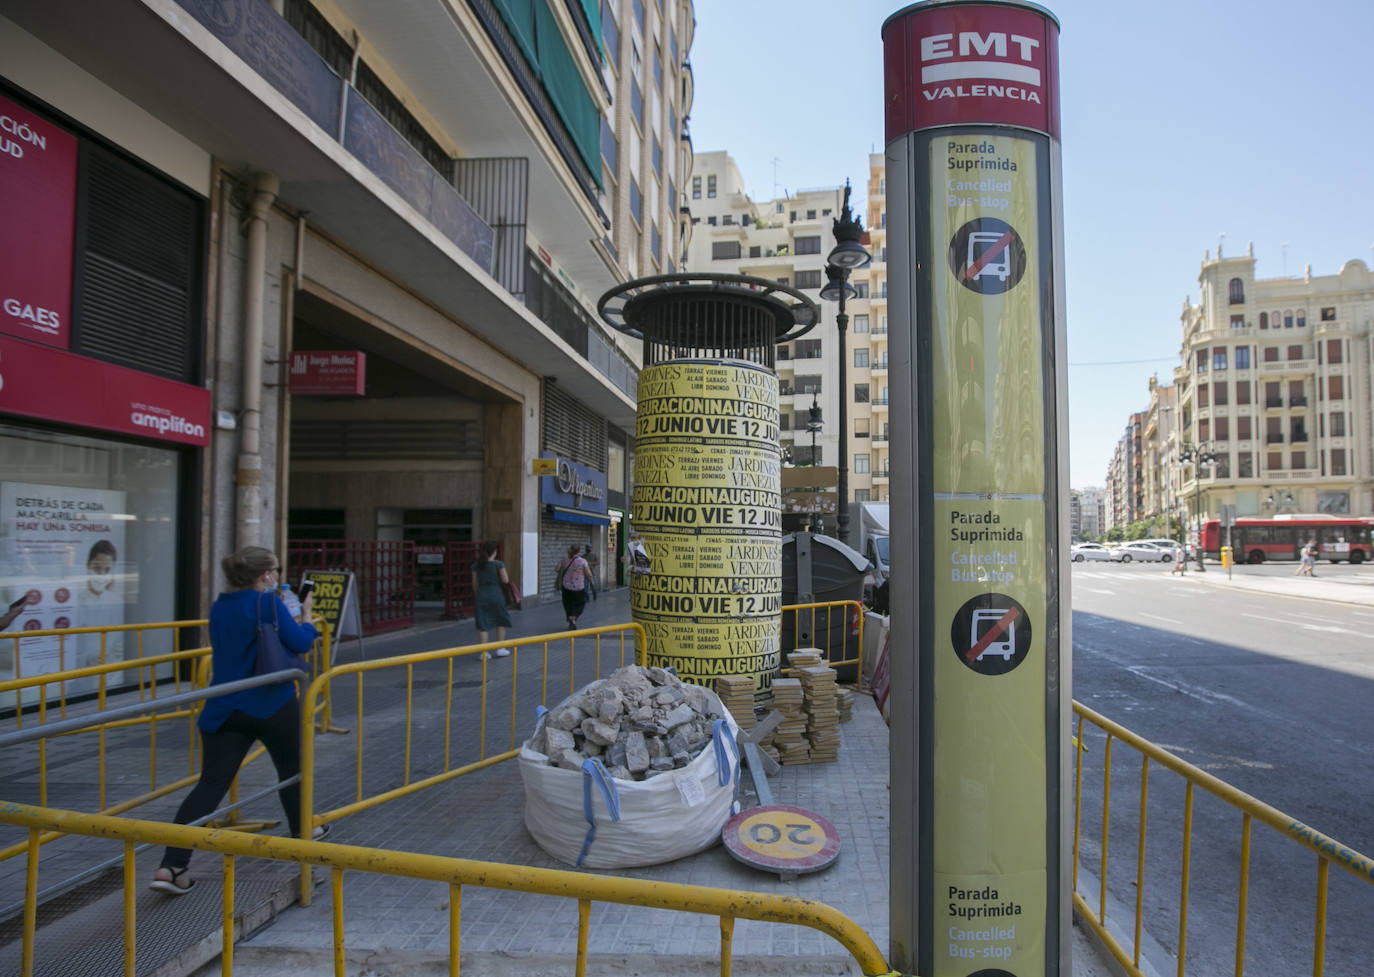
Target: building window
808 349
724 250
1273 430
1337 461
1203 399
1297 430
657 156
1222 430
808 245
1295 395
1328 313
809 279
861 358
809 384
672 42
1338 424
637 104
1238 321
610 148
1243 392
860 393
810 215
861 427
655 242
784 421
1271 354
1302 318
1242 357
1274 461
1272 396
1245 464
860 323
658 67
711 185
1299 460
711 221
1295 352
1202 361
861 495
861 464
1235 292
1288 318
1242 429
1221 468
1204 430
610 33
1333 351
636 202
1264 320
1221 394
1219 358
696 188
860 290
639 14
1335 388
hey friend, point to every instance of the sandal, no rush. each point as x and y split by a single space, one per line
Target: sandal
171 886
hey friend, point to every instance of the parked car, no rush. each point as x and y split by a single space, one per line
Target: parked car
1089 551
1142 552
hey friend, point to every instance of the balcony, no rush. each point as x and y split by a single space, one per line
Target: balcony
880 439
879 403
1297 401
1298 437
1273 439
880 474
878 364
1271 403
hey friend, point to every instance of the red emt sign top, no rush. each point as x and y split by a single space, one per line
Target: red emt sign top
974 63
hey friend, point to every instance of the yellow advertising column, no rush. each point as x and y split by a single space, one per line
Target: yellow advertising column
705 512
980 812
706 506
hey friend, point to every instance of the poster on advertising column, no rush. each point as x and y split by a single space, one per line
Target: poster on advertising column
62 548
989 554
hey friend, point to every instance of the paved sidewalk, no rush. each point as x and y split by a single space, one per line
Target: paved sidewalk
397 926
1344 589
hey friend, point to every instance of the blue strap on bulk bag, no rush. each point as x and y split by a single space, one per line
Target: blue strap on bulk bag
594 772
723 734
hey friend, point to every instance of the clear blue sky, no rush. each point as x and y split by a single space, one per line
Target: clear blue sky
1182 121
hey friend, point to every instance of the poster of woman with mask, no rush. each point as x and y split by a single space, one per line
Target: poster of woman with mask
61 546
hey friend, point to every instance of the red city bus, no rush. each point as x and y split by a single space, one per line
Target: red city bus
1283 537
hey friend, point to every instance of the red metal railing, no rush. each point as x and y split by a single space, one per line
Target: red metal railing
458 594
384 572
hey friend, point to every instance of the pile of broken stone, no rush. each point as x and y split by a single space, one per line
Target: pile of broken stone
640 721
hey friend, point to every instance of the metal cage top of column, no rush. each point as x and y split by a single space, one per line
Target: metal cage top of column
706 316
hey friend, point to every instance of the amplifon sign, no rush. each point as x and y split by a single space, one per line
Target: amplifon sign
976 63
54 385
38 199
324 372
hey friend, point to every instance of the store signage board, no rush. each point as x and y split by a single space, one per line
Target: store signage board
37 234
54 385
328 373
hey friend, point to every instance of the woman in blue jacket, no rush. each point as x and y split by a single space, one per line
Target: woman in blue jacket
230 724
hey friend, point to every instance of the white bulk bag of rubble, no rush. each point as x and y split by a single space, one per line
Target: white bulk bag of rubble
590 819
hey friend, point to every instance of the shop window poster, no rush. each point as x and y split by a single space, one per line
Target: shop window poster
62 550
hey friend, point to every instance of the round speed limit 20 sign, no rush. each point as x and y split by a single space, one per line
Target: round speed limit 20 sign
783 839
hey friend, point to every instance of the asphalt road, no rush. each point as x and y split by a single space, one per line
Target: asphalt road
1267 692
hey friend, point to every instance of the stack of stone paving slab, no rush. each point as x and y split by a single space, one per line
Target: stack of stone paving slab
789 738
844 704
737 694
640 721
822 730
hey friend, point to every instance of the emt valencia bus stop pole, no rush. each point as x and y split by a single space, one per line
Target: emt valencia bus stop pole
981 786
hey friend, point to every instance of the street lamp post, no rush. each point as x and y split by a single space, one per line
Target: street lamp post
1199 455
847 255
814 423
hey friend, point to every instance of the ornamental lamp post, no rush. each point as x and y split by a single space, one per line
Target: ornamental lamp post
847 255
1198 455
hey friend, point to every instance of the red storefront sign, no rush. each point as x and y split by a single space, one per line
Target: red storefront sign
971 64
38 199
54 385
324 372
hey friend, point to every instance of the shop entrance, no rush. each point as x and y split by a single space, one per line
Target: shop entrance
431 530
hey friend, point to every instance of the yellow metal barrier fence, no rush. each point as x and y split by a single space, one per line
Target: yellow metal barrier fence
146 688
728 904
819 620
1328 850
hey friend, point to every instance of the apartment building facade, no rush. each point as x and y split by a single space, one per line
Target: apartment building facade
328 273
787 239
1273 391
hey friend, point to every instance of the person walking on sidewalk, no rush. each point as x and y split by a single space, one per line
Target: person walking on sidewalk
574 579
489 582
1180 560
230 724
1309 560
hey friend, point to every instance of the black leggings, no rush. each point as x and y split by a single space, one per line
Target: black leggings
225 749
